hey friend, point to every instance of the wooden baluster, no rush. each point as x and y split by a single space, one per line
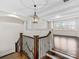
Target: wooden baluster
15 47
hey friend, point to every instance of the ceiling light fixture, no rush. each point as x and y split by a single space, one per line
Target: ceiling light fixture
65 0
58 16
35 17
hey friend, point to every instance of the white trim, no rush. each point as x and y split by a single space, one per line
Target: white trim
53 57
63 54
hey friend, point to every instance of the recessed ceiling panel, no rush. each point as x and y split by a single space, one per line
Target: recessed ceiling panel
30 3
46 8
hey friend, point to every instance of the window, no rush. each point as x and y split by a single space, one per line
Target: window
65 25
52 25
66 44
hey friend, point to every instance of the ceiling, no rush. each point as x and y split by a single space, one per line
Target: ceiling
46 9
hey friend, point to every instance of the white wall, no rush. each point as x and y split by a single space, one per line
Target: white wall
40 28
9 34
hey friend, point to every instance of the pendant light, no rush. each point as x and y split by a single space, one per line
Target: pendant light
35 17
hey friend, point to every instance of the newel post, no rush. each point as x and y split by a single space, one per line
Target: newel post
36 47
21 42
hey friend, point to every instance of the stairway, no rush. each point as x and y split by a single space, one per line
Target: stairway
52 55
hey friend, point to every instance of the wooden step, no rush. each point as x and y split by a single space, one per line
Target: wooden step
51 53
46 57
55 55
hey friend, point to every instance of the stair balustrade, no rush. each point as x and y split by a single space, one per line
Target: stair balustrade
35 47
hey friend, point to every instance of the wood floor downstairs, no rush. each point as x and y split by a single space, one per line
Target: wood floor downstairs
15 56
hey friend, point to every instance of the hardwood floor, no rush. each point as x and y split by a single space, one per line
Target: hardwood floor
15 56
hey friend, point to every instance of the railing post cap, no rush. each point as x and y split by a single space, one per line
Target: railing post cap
21 33
36 35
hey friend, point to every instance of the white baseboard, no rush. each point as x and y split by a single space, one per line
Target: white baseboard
63 54
2 53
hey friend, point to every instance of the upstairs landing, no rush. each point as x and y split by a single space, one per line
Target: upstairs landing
15 56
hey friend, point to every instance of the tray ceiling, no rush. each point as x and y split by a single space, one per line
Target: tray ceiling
47 9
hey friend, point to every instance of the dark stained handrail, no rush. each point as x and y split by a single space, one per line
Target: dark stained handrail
39 37
28 36
46 35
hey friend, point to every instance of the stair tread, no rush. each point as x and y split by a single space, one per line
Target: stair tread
46 57
51 53
55 56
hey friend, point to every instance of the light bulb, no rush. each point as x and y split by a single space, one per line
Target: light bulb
35 19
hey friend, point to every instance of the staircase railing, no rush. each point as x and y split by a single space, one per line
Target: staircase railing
44 44
28 46
36 47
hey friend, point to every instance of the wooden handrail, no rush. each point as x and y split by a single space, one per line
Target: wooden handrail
46 35
28 36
